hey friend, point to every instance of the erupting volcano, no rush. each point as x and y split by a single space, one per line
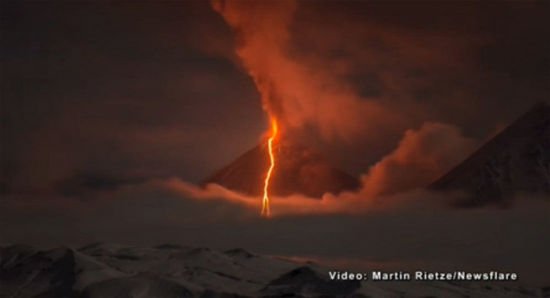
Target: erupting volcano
297 170
281 167
277 167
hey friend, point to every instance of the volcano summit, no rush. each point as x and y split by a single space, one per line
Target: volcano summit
515 161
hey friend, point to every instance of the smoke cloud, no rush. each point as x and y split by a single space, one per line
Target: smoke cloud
301 91
421 157
298 94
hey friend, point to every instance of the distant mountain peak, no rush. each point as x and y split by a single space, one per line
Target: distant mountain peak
515 161
239 252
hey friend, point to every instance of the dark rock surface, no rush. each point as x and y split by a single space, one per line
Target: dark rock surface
516 161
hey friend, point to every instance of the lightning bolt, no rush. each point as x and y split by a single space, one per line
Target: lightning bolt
266 212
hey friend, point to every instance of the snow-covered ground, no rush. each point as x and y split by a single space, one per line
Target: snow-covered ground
109 270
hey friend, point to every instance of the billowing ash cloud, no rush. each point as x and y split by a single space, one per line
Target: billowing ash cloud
299 94
422 156
303 92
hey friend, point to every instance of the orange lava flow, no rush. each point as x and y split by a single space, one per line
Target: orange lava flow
266 212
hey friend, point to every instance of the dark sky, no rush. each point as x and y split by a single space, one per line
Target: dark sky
102 100
118 90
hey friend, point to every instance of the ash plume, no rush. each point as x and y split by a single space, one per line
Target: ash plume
298 94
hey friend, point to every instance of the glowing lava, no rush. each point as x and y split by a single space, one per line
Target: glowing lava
265 201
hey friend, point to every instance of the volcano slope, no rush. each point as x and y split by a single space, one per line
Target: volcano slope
298 170
516 161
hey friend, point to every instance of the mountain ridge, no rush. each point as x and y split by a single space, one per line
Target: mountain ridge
98 271
515 161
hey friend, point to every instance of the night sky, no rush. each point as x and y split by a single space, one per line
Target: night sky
102 101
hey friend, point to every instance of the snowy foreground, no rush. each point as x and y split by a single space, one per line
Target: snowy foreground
107 270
